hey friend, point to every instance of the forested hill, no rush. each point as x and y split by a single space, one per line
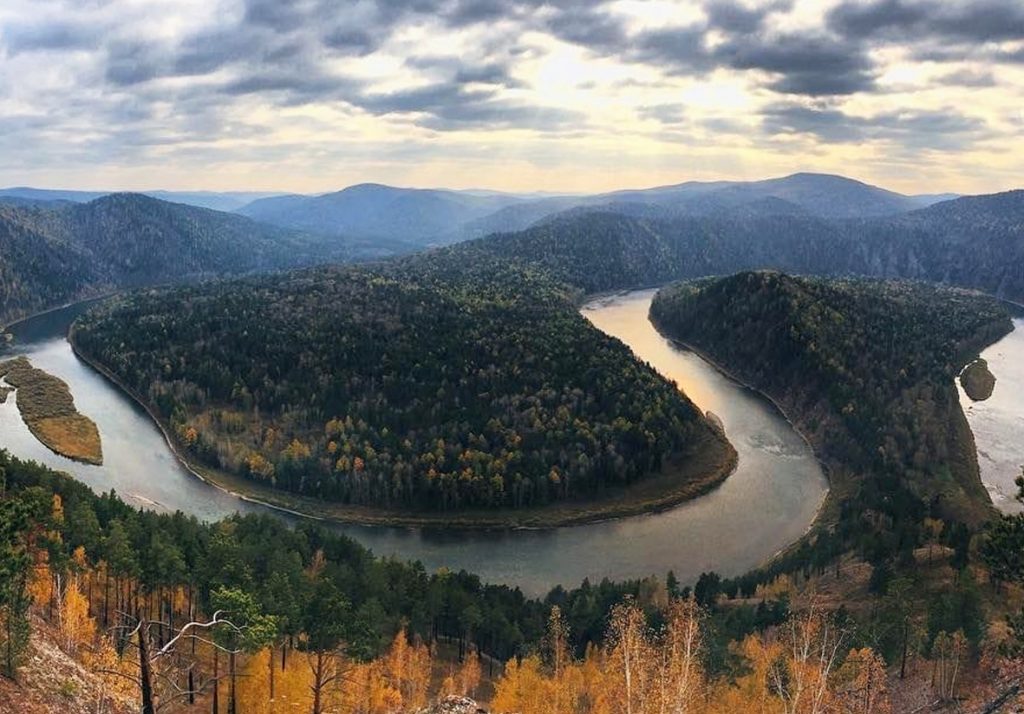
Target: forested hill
972 242
430 383
59 253
866 369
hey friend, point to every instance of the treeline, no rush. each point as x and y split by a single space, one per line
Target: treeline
427 383
95 566
866 368
247 615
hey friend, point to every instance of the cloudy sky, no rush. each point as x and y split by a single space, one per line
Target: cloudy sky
314 95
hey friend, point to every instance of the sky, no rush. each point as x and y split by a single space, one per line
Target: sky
522 95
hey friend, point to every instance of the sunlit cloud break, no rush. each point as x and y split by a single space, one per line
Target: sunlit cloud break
312 95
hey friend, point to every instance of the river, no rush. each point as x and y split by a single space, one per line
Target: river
998 422
768 502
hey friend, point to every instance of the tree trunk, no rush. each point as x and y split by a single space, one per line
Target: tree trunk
106 600
270 666
231 693
318 679
903 659
216 681
145 677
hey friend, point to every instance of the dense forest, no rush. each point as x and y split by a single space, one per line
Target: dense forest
59 252
251 615
866 368
611 248
427 383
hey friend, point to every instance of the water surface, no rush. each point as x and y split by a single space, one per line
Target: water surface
998 422
766 504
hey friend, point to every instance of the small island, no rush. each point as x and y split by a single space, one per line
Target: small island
978 382
48 409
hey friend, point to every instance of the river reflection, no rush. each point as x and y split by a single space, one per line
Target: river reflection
766 504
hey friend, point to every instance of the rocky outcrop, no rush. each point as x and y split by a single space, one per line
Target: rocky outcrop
454 705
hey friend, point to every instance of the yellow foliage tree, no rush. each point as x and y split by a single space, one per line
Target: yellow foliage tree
860 684
77 628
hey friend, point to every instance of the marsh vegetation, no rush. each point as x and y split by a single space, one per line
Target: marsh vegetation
49 411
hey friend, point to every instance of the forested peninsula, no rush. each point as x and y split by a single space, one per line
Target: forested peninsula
865 368
427 389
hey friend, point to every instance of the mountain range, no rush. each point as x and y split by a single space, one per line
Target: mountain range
439 217
216 200
975 242
404 219
55 253
59 247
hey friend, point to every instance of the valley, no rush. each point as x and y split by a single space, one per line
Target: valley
776 470
530 357
490 358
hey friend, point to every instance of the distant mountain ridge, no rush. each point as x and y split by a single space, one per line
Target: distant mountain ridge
975 242
373 210
54 254
216 200
432 216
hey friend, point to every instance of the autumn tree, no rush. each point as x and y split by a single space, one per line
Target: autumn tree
246 629
860 684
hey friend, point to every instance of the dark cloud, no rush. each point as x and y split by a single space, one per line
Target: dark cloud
945 129
130 63
350 41
490 73
679 50
471 12
968 78
829 125
735 17
588 27
58 36
916 20
813 65
449 105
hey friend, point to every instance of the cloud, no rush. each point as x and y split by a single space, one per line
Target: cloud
50 36
944 129
734 17
813 65
122 82
902 20
673 113
968 78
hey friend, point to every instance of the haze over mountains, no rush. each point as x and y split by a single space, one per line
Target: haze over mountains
60 246
70 251
216 200
975 242
408 218
440 216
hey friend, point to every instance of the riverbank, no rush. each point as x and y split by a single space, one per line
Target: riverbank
710 462
942 469
828 508
5 327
